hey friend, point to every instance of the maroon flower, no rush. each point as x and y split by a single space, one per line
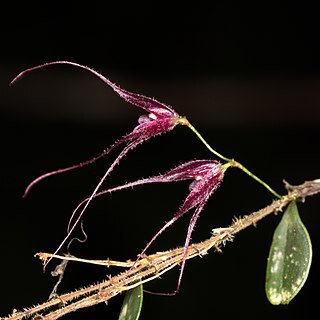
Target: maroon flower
160 119
206 175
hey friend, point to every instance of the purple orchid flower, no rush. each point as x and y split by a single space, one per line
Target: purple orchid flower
161 118
206 175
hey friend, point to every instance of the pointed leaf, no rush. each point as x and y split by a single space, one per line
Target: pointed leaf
132 304
289 258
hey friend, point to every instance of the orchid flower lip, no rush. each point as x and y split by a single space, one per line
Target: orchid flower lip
152 116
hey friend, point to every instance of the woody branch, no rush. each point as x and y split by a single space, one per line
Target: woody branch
154 265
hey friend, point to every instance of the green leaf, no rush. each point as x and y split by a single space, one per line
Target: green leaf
132 304
289 258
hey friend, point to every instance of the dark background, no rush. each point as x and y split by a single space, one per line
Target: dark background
247 76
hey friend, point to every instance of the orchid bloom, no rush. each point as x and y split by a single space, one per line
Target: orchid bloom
206 175
160 118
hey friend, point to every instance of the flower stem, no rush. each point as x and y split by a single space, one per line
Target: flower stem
232 162
253 176
185 122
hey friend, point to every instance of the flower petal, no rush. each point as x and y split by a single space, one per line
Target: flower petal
146 103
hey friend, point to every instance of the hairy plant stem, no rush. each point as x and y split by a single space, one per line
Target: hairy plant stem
154 265
232 162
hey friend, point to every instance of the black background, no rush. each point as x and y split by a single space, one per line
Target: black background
246 75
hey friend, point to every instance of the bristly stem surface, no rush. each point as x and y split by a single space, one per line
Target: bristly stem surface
153 266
